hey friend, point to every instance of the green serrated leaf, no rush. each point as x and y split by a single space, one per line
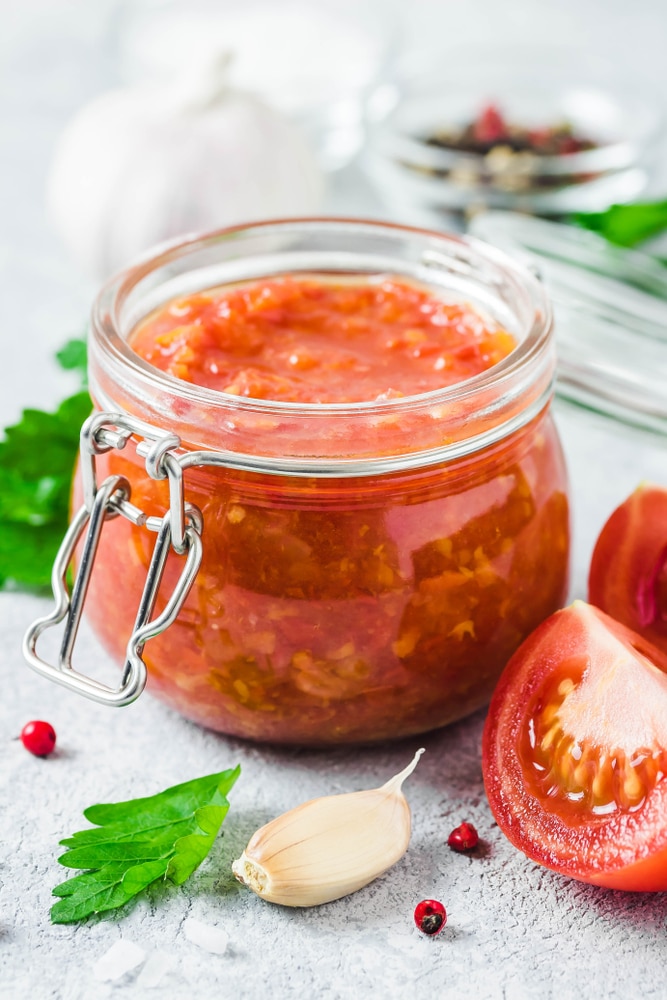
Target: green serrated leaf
27 553
136 842
191 849
627 225
169 805
117 834
108 875
41 443
73 356
37 459
96 895
96 855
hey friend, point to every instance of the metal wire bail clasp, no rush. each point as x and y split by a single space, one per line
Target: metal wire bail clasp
178 529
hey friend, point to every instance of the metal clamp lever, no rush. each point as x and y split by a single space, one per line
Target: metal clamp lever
109 499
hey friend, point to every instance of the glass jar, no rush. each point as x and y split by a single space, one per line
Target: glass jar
610 308
367 568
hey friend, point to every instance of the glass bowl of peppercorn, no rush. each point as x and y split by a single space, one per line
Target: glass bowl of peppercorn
539 131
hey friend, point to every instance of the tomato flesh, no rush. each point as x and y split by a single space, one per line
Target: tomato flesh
575 751
628 573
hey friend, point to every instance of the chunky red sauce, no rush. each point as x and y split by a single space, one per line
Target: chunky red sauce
350 609
309 341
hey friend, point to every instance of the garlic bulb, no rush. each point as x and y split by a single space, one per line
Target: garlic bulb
316 61
142 165
328 847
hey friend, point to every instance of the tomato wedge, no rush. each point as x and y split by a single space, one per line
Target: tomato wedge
628 573
575 751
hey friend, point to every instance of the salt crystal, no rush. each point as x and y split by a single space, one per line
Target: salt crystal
157 966
209 938
122 957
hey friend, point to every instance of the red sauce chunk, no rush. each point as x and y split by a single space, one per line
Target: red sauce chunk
350 609
305 341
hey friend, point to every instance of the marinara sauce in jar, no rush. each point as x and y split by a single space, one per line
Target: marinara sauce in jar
360 413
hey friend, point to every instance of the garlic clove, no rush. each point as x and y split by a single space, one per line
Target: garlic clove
143 165
329 847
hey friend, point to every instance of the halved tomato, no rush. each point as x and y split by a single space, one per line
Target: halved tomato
628 573
575 751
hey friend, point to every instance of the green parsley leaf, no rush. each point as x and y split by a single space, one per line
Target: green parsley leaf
37 459
73 356
627 225
164 836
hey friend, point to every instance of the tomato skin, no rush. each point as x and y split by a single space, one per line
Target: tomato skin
629 564
649 875
622 849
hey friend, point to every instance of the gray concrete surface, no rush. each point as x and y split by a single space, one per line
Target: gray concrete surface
515 931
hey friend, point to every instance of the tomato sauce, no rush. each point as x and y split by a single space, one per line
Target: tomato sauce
351 609
305 341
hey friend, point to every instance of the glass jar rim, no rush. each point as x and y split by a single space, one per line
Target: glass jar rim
467 254
121 284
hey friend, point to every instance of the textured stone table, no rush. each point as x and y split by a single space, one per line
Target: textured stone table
515 931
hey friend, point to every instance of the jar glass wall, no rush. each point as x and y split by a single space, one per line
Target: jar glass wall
368 568
610 307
